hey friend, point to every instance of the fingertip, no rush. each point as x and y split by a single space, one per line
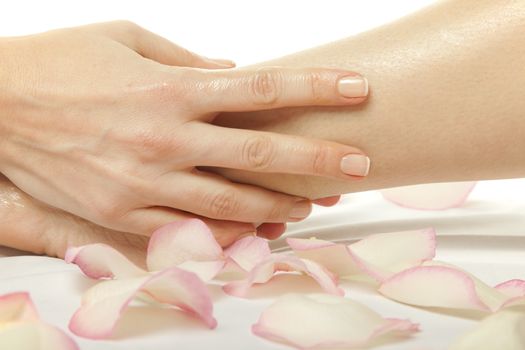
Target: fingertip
327 201
355 164
300 211
352 101
353 88
271 230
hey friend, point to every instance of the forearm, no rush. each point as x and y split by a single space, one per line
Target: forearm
3 89
9 64
447 100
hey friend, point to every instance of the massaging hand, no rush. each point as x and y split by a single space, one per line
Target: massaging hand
30 225
110 122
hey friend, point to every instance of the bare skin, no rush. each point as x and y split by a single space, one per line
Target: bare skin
33 226
447 100
30 225
109 122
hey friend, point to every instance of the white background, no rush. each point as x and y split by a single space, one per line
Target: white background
245 31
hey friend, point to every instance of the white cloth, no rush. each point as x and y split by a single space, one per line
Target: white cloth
486 236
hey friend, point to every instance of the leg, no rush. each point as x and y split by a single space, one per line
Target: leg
447 100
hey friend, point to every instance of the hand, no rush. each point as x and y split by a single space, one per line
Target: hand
30 225
110 122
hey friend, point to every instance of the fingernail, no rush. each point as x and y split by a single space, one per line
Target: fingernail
301 209
355 164
247 234
223 62
354 86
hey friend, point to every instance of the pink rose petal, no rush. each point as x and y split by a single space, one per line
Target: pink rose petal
206 270
34 336
335 257
21 329
104 303
183 241
17 307
440 285
437 196
266 269
322 321
383 254
102 261
378 256
503 330
248 252
512 288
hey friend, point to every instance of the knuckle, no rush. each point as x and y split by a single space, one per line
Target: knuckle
278 211
266 86
150 144
258 152
181 86
315 81
320 157
224 204
108 210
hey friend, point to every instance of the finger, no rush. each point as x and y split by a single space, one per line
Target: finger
275 153
271 230
157 48
146 220
268 88
327 201
214 197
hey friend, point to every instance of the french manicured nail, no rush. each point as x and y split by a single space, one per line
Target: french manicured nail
354 86
301 209
355 164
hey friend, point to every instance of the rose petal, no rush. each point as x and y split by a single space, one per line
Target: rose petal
322 321
335 257
104 303
182 241
379 255
21 329
441 285
206 270
512 288
437 196
17 307
102 261
248 252
515 290
502 330
34 336
266 269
